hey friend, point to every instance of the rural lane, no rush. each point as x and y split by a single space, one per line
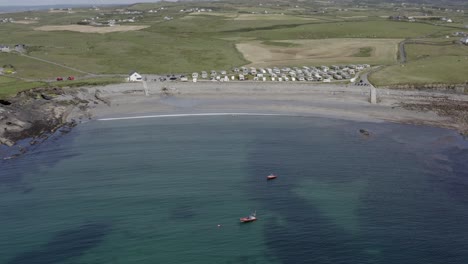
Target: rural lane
58 64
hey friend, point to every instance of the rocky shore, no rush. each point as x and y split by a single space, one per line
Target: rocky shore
37 113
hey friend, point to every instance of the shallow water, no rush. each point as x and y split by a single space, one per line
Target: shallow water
155 191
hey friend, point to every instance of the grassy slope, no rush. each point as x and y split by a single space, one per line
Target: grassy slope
366 29
34 69
321 52
165 47
420 51
438 69
192 42
447 63
11 86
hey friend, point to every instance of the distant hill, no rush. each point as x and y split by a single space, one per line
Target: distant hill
14 9
430 2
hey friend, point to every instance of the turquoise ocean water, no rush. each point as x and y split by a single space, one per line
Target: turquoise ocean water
172 190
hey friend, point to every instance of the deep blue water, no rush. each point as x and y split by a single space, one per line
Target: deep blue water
171 190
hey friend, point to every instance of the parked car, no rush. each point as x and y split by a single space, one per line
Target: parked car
71 78
59 79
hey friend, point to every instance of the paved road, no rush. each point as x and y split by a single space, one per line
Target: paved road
366 80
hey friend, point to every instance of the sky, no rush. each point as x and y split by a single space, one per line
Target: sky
64 2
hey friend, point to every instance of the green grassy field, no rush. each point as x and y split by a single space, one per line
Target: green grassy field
440 69
352 29
33 69
10 86
320 52
364 52
102 81
421 51
205 41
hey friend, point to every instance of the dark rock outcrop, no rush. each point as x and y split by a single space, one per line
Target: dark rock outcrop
364 132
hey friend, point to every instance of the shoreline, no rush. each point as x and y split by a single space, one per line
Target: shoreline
347 102
62 108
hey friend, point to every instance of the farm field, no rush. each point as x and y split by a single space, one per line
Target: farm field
10 86
349 29
441 69
318 52
90 29
33 69
271 17
421 51
232 34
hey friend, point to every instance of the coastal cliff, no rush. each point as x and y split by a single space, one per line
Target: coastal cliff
35 113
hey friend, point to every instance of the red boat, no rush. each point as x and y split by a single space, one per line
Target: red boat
271 177
250 218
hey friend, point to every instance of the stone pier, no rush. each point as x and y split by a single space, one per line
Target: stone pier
373 95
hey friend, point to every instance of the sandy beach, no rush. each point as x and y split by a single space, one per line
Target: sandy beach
348 102
36 113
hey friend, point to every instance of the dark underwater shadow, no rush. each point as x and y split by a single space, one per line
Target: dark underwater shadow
66 245
47 153
182 212
304 235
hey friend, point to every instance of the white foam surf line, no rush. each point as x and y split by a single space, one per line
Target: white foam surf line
188 115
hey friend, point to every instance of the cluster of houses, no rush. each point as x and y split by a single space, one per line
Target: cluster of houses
156 10
402 18
128 12
17 48
448 20
6 20
196 10
98 21
413 19
67 10
460 34
31 18
12 20
305 73
464 35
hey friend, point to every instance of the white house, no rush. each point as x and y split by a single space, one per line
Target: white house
134 77
5 48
